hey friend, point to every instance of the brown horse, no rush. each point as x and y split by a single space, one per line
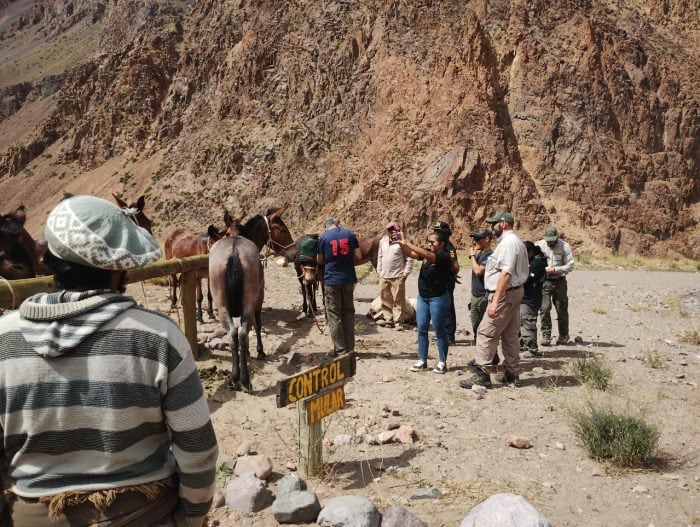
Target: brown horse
369 247
238 285
16 247
135 211
182 243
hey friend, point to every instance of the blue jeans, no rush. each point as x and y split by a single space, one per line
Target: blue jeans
435 308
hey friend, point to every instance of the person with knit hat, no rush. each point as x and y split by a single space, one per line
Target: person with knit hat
104 418
560 262
393 267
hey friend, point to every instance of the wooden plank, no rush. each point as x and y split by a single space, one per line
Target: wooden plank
310 444
315 380
325 403
23 289
188 299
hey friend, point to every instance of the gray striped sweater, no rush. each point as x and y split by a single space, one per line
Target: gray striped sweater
97 393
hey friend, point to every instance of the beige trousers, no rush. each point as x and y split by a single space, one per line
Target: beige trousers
502 327
392 291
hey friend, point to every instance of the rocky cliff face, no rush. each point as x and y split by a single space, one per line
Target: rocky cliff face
575 112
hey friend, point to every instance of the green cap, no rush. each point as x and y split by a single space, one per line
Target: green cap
551 234
501 216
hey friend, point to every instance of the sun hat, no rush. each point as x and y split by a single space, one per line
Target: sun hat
481 234
551 234
501 216
94 232
442 226
393 226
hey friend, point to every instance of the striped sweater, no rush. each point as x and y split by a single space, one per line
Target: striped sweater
97 393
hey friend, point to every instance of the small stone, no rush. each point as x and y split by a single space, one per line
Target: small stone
431 493
395 413
342 440
291 466
549 408
479 390
260 466
386 437
518 442
560 446
244 449
683 485
683 363
538 370
640 489
547 485
578 340
680 376
371 440
598 472
404 435
219 500
393 426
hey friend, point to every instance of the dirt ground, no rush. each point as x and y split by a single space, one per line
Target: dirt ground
633 319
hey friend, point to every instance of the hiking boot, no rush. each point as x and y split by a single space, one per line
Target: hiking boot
479 377
529 354
381 322
508 378
440 368
546 342
563 340
421 365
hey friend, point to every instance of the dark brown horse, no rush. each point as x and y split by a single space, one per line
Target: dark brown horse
16 247
238 286
135 211
369 247
182 243
265 230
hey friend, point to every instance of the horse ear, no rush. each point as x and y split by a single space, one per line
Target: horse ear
213 233
21 214
120 201
278 212
141 203
228 220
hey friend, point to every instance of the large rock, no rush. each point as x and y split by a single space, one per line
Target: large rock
349 511
505 510
299 506
397 516
259 466
247 494
288 484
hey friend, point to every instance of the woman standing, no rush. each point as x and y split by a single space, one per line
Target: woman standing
433 296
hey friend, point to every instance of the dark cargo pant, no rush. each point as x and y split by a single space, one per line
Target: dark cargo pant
478 307
340 316
555 292
528 328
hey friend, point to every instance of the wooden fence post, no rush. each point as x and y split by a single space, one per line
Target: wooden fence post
188 285
310 444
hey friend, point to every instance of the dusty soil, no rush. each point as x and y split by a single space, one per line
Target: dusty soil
633 319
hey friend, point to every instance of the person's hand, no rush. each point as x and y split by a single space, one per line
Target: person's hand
403 277
473 249
491 310
549 270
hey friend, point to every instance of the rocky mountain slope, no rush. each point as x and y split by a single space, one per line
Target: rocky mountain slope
585 114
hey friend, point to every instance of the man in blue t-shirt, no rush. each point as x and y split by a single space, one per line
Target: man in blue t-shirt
338 250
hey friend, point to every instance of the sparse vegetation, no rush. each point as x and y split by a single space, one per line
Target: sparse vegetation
689 336
653 360
593 372
625 440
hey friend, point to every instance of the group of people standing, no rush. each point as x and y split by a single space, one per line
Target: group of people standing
511 285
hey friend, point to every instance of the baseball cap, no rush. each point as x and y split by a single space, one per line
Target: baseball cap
501 216
551 234
480 234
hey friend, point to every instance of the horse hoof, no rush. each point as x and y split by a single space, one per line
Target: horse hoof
262 355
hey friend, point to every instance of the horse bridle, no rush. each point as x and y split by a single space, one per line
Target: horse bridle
272 243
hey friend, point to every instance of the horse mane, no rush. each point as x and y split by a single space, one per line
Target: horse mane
247 229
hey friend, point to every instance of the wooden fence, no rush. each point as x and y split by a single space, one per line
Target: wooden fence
18 290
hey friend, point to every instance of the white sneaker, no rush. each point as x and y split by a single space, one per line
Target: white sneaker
420 366
440 368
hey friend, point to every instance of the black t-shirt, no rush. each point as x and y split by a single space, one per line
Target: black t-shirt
478 288
434 278
533 285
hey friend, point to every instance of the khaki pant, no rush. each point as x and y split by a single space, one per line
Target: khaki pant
392 291
129 509
340 316
502 327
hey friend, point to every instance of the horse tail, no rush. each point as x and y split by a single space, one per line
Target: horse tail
234 285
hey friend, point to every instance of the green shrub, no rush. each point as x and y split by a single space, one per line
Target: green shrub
593 371
625 440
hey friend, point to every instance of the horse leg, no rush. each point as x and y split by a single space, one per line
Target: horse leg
310 300
246 385
173 288
200 298
258 335
210 312
314 288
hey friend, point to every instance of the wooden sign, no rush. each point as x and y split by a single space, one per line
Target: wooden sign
324 404
313 381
